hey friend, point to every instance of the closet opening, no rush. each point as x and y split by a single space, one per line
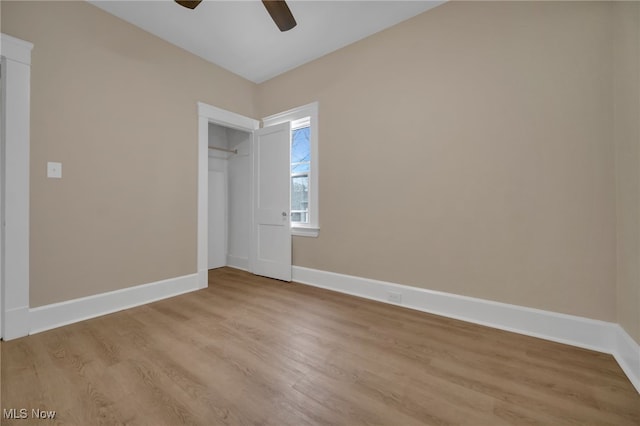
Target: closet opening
229 197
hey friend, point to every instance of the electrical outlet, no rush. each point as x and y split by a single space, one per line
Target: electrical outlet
394 297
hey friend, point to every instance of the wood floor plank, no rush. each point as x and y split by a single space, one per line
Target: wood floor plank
253 351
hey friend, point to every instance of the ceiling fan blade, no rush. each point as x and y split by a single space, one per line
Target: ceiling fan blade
189 4
280 14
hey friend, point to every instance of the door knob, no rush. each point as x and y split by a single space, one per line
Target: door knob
284 213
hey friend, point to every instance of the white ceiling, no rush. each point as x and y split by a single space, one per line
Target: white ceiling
240 36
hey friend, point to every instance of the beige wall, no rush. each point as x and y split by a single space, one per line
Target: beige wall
627 144
117 106
468 150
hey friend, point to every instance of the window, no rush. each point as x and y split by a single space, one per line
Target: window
300 165
304 167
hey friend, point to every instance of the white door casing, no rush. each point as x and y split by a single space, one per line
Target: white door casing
271 242
14 274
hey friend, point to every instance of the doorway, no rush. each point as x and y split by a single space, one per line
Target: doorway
242 222
235 169
229 197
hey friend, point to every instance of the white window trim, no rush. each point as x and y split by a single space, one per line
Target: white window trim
312 228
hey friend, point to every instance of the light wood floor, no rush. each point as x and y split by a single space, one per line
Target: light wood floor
254 351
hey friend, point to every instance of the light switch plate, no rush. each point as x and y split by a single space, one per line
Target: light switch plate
54 170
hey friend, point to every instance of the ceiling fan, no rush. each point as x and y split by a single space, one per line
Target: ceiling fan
278 10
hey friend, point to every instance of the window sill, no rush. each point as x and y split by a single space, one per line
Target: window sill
306 231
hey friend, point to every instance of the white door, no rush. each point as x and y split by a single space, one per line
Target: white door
217 250
271 242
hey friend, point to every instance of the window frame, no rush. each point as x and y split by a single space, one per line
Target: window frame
303 123
297 115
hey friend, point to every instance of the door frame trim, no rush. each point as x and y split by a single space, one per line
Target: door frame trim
14 204
211 114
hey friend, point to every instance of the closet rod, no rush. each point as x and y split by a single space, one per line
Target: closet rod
233 151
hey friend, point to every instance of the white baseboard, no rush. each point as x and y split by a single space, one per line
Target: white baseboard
627 353
16 323
238 262
586 333
58 314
